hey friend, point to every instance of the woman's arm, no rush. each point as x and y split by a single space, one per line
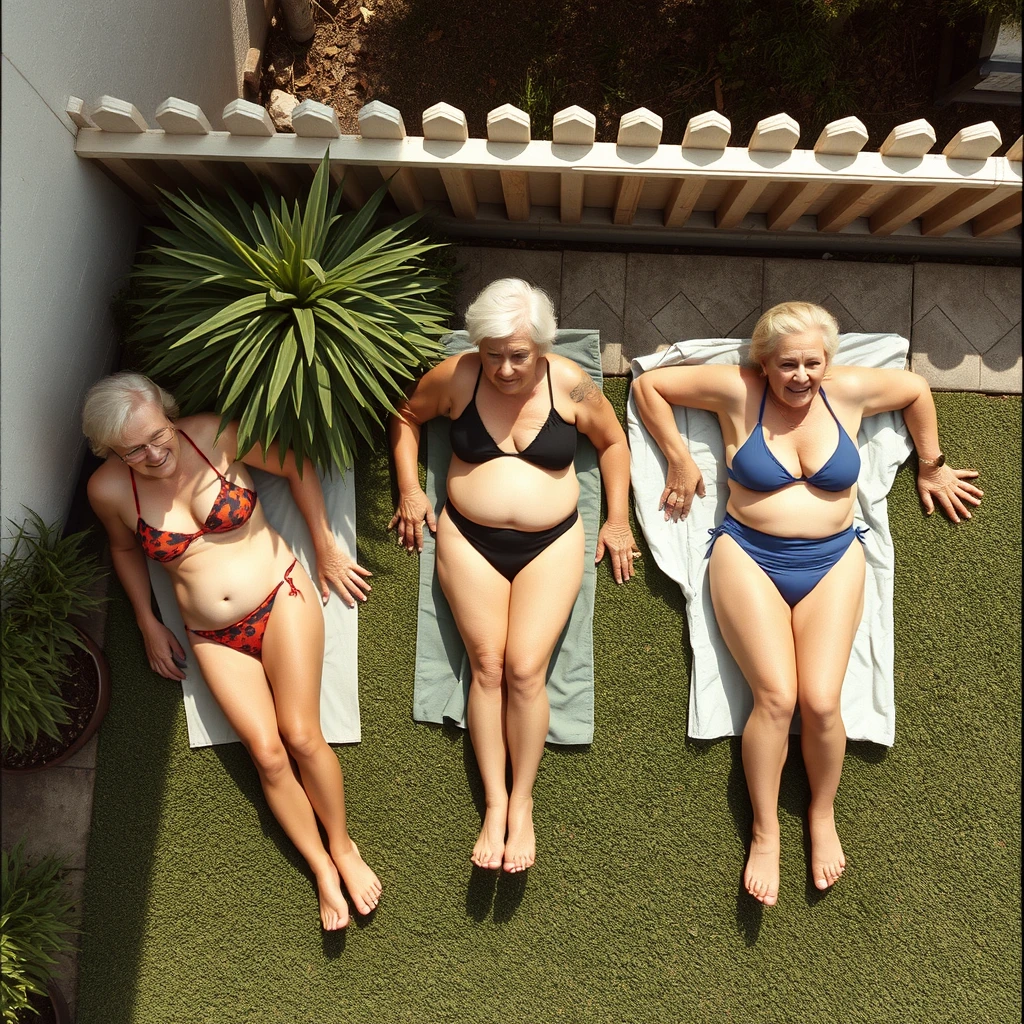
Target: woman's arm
334 565
891 390
596 418
431 397
699 387
162 647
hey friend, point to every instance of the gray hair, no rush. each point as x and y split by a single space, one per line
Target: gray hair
509 305
788 318
110 404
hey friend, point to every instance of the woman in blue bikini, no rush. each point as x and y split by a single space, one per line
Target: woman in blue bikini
509 538
786 565
173 490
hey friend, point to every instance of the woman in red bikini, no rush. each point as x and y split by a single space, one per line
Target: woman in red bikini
172 490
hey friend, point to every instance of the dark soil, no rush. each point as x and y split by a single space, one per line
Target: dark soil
79 691
679 58
41 1012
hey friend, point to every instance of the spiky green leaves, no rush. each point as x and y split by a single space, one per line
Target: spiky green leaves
36 927
44 578
301 324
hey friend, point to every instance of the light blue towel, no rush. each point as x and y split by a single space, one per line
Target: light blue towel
442 668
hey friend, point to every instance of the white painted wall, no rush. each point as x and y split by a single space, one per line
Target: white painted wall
67 233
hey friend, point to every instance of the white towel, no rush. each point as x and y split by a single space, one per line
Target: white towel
720 698
339 698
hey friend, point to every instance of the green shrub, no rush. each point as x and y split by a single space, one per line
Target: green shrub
301 325
34 930
44 578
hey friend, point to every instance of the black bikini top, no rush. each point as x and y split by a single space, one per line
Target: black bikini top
553 447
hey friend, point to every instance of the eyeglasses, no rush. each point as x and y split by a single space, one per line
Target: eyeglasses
138 453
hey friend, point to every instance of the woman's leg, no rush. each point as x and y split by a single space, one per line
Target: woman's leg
756 625
824 625
542 598
239 686
293 658
478 596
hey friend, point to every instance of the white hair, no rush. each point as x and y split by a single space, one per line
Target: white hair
509 305
111 403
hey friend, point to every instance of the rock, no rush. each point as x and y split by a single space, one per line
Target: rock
280 108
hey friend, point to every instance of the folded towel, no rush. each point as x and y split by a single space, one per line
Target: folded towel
442 669
720 699
339 699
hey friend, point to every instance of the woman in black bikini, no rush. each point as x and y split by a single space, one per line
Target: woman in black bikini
262 664
509 539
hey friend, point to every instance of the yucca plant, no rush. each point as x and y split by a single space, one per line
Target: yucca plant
34 930
44 578
302 325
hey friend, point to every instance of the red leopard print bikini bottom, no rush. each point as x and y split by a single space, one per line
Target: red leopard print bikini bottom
246 635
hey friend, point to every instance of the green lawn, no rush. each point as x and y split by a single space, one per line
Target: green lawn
197 910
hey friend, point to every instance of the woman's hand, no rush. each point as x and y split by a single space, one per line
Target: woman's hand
682 481
618 540
413 508
163 651
337 567
949 488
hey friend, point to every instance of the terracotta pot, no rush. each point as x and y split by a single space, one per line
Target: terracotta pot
99 711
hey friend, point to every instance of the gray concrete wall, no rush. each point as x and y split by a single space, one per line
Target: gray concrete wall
67 234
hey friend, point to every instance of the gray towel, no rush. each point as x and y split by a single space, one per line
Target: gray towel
442 668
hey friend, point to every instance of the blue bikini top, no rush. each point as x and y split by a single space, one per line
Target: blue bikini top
554 446
757 469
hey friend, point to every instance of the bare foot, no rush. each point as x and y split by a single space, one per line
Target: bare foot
363 885
333 908
761 875
827 858
490 847
521 845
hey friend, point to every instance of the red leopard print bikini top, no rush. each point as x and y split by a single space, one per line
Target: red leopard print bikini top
232 508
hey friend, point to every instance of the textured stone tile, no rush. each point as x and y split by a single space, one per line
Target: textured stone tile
593 296
671 298
52 809
86 757
480 265
942 355
874 298
966 333
1001 365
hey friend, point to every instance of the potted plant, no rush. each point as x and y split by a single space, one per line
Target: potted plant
56 681
36 929
304 325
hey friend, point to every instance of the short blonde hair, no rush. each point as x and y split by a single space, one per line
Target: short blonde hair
509 305
110 404
788 318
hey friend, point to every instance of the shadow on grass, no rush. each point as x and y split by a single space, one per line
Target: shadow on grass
135 745
238 765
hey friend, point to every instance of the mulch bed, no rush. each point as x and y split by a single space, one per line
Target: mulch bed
79 691
676 57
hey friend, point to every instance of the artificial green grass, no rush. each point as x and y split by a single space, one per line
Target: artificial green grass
197 909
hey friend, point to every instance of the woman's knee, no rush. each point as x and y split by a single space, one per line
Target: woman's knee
820 712
525 678
270 757
303 740
489 670
778 702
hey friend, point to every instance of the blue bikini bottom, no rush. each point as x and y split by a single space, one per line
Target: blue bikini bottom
796 565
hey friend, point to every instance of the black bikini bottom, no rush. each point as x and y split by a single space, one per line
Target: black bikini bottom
509 551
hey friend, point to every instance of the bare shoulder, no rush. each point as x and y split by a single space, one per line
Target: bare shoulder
109 488
202 427
568 377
